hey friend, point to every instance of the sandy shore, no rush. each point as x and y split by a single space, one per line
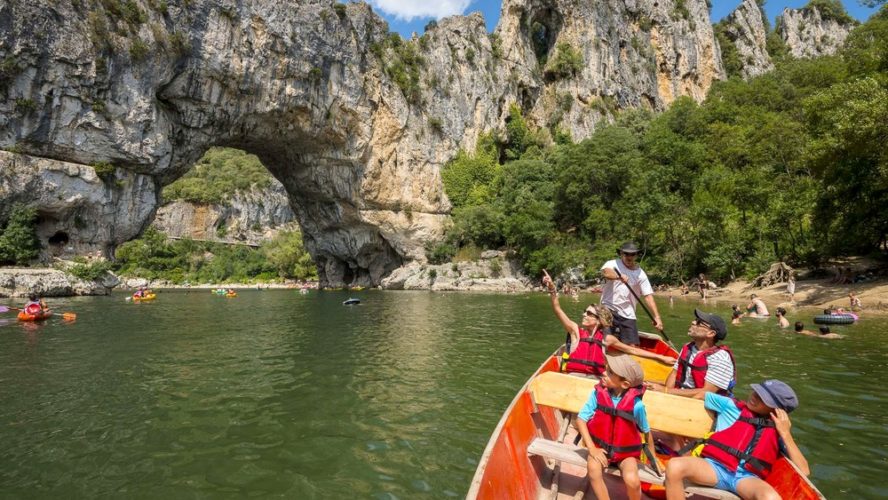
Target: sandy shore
809 293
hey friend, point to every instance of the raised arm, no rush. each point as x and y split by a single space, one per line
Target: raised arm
569 325
782 424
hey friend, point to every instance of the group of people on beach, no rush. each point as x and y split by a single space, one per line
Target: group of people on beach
748 436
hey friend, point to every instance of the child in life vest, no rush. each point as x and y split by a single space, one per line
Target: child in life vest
750 436
611 423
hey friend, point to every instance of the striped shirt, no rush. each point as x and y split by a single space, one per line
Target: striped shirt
720 372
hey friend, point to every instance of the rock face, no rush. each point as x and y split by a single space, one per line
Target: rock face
635 53
809 34
17 282
249 217
78 212
493 273
746 29
343 115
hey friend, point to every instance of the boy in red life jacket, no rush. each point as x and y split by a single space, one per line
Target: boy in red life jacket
703 365
589 343
750 436
611 423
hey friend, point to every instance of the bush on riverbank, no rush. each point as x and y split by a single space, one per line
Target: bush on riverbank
789 166
153 256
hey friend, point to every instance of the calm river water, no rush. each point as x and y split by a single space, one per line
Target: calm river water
278 394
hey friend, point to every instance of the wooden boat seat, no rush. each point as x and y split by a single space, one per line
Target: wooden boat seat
576 455
666 412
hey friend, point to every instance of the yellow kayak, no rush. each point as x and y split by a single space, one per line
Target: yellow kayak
146 298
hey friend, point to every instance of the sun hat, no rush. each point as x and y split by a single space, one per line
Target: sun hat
626 367
628 247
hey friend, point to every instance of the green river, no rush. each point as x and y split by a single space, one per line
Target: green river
275 393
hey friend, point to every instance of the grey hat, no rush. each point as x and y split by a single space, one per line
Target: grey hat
628 247
717 324
777 394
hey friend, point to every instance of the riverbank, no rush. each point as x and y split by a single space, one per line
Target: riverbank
819 293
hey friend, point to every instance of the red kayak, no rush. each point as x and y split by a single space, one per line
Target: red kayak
531 454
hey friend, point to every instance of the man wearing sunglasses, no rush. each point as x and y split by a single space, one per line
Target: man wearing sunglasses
621 274
703 365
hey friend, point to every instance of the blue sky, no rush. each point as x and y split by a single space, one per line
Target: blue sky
407 16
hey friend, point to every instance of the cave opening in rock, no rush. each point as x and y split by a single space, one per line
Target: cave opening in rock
543 30
60 238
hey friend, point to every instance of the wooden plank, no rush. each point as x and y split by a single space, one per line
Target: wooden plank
571 454
654 371
665 412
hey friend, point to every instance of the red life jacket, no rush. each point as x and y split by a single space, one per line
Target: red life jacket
751 438
700 366
614 429
588 357
33 309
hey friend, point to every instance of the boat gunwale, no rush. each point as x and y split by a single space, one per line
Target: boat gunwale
495 435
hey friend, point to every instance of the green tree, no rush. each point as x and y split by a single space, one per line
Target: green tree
18 241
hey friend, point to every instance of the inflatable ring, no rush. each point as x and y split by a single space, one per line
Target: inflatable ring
834 319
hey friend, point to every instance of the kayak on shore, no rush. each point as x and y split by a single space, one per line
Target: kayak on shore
531 452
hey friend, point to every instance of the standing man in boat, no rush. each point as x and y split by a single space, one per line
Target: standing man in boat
591 340
703 364
621 274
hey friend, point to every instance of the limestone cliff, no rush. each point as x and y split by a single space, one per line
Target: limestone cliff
636 53
809 33
250 217
746 29
354 123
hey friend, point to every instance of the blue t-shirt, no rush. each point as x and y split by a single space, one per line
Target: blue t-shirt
641 420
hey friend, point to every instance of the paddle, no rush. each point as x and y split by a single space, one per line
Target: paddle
644 306
66 315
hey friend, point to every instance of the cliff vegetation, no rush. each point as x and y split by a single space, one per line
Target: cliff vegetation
218 174
156 257
790 165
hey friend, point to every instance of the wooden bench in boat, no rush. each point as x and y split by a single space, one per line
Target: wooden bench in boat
665 412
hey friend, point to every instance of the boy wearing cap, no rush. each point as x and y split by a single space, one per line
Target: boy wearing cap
611 422
703 364
621 274
750 436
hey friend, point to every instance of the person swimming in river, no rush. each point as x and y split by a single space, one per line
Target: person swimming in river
590 341
781 318
856 304
736 314
756 307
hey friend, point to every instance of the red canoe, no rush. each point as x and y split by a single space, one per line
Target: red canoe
531 453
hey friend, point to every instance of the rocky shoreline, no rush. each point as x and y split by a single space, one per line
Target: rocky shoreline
48 282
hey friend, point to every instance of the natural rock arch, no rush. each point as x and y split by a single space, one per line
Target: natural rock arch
103 106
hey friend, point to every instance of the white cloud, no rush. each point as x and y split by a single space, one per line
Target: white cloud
408 10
